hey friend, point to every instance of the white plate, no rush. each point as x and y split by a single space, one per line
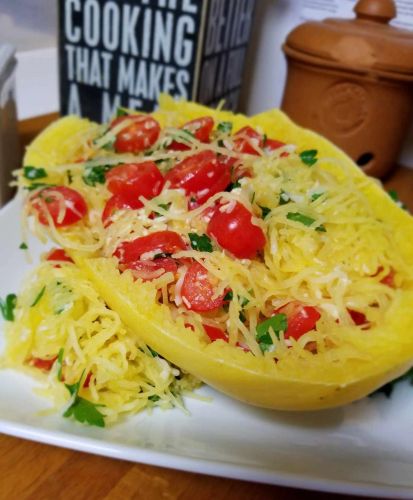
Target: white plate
364 448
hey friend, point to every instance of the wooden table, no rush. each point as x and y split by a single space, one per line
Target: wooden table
35 471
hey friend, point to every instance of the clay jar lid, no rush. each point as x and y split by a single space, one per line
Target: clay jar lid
367 44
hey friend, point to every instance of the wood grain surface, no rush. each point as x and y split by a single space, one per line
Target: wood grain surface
31 470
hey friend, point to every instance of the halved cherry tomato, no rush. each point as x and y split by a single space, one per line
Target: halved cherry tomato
215 333
50 200
86 383
201 175
273 144
389 279
58 254
358 317
159 242
246 140
116 203
300 319
141 134
43 364
234 231
198 291
148 270
132 180
200 128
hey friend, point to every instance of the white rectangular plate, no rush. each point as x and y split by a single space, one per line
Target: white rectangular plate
364 448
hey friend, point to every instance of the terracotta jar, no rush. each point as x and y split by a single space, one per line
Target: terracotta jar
352 81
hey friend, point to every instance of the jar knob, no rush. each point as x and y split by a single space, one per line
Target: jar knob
379 11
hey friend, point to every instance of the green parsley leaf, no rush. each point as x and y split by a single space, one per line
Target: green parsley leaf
284 198
225 127
165 206
305 219
85 411
201 243
315 196
264 211
309 157
34 173
38 297
37 185
395 197
154 398
154 353
60 364
7 306
264 140
229 296
96 175
23 246
277 323
232 186
121 112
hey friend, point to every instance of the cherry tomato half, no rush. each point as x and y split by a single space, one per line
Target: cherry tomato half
58 254
141 134
50 201
148 270
132 180
246 140
215 333
198 291
358 317
43 364
201 175
116 203
234 231
200 128
301 318
159 242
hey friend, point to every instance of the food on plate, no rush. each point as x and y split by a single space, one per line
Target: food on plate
249 252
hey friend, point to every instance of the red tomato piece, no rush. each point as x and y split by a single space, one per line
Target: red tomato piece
200 128
201 175
52 199
273 144
86 383
159 242
301 319
234 231
246 140
148 270
215 333
132 180
58 254
198 291
389 279
116 203
43 364
141 134
358 317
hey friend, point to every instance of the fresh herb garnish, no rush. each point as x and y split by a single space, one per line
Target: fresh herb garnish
395 197
165 206
34 173
284 198
278 323
37 185
309 157
264 211
305 219
7 306
121 112
154 353
225 127
232 186
154 398
38 297
23 246
69 176
315 196
95 175
388 388
201 242
81 409
264 140
60 363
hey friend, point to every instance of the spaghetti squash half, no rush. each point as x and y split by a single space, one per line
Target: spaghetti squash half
249 252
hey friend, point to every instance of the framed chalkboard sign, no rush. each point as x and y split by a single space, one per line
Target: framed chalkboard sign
124 53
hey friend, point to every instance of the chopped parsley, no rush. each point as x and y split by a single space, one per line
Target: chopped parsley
315 196
81 409
264 211
38 297
242 300
165 206
395 197
284 198
232 186
225 127
23 246
154 398
69 176
34 173
95 175
60 363
264 140
7 306
200 242
154 353
277 323
306 220
38 185
309 157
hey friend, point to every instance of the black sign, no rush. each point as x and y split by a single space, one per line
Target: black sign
125 52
